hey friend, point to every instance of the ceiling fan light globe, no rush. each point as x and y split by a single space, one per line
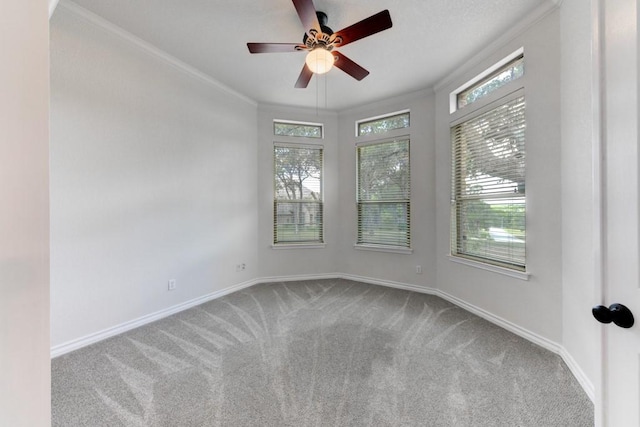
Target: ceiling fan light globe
319 60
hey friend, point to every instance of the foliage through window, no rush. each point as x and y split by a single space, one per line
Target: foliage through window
307 130
488 206
511 71
383 124
383 194
297 206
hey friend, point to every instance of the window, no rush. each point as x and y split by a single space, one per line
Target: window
297 205
383 194
511 71
307 130
383 124
488 203
502 73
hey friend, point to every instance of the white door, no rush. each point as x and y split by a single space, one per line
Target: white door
621 347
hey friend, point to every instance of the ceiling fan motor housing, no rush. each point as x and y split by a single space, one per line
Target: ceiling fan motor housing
313 39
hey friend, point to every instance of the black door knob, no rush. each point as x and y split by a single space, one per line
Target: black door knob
616 313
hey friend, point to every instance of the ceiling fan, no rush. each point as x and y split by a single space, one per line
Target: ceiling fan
320 41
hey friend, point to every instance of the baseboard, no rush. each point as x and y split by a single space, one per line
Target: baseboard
577 372
505 324
78 343
299 277
93 338
552 346
543 342
390 284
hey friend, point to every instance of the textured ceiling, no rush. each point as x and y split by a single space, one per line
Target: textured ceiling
429 38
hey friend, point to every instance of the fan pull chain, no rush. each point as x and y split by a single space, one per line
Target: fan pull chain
325 92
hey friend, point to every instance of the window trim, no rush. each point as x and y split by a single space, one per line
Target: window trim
288 245
513 94
522 275
293 244
383 248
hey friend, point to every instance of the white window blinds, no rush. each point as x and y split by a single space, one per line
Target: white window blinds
297 206
383 194
488 206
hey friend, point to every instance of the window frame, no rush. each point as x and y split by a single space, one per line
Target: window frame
485 75
512 65
500 97
381 117
457 195
377 246
298 123
286 244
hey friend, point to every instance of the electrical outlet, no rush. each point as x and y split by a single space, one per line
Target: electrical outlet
418 269
172 284
241 267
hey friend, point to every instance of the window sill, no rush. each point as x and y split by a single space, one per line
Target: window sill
298 246
382 248
522 275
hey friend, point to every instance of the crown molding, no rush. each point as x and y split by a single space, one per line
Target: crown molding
294 109
52 7
532 18
149 49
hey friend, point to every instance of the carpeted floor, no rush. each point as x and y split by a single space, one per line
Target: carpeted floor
317 353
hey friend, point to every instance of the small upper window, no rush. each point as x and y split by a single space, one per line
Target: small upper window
307 130
383 124
512 71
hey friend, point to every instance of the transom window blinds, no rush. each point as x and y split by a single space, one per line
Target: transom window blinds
383 194
488 206
297 205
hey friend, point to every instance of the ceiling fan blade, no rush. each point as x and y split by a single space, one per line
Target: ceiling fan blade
273 47
374 24
307 13
304 78
349 67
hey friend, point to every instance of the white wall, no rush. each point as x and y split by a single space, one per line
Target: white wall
296 261
153 177
536 304
580 331
24 217
387 266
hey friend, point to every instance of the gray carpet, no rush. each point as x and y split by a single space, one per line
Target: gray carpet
317 353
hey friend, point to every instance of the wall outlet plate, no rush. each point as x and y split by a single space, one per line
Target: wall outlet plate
172 284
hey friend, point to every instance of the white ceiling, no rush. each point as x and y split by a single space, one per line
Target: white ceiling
429 38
